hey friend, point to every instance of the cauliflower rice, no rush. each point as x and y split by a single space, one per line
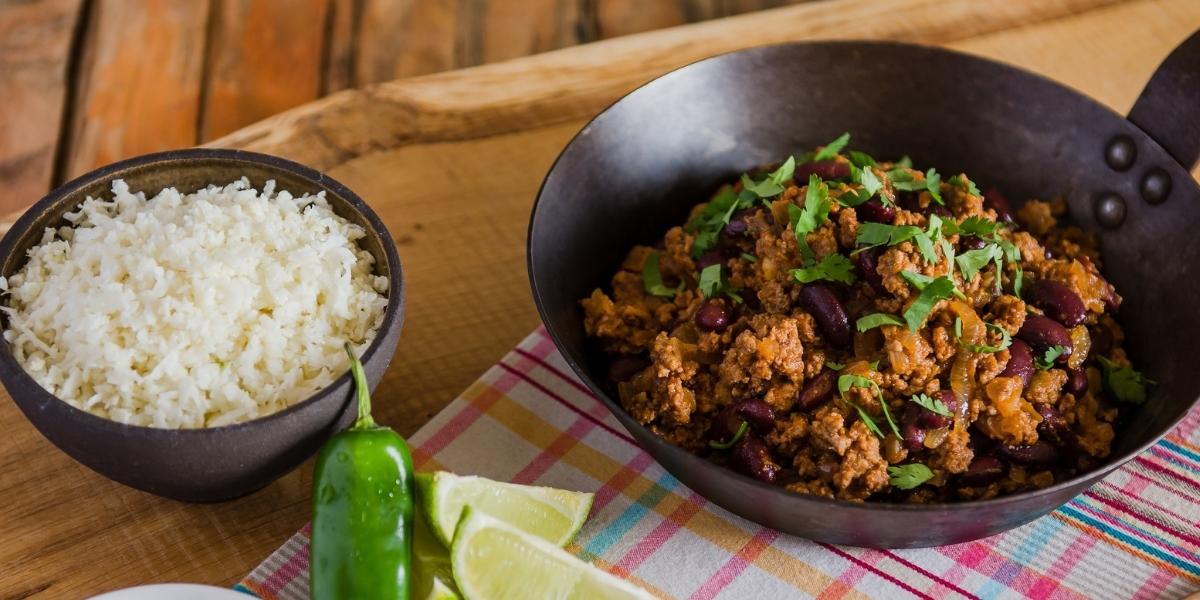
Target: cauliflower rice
196 310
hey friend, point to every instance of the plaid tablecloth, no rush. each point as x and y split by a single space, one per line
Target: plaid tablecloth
529 420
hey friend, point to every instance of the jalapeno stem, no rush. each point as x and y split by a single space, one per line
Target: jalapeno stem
364 420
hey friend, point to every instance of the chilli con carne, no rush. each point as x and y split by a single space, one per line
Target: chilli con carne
866 330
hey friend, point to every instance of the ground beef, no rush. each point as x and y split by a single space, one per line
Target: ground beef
841 410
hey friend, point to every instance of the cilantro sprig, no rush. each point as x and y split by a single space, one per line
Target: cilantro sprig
832 149
933 405
907 477
902 179
933 290
804 221
874 320
848 381
707 225
834 267
1005 339
965 184
652 279
713 283
1124 383
775 181
1048 358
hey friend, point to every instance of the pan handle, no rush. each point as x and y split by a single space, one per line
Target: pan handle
1169 107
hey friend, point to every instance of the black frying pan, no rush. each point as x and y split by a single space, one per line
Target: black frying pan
637 167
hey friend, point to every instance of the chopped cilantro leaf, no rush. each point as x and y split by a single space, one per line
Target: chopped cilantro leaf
834 267
845 382
1005 339
774 183
972 261
832 148
933 405
807 220
977 226
707 225
934 291
966 184
749 257
710 280
836 366
712 283
904 162
874 320
933 182
878 234
1046 360
861 159
904 180
652 279
870 182
907 477
741 432
1124 383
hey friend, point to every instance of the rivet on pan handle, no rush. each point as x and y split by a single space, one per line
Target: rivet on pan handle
1169 107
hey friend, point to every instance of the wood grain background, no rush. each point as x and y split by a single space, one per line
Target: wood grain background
89 82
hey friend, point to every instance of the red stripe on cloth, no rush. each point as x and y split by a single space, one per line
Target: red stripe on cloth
1125 508
555 451
1061 568
1168 472
1156 483
1154 586
735 565
549 367
474 409
854 559
292 568
937 579
1169 454
1153 541
575 409
665 530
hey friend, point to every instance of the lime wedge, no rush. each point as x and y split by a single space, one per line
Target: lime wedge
432 578
496 561
551 514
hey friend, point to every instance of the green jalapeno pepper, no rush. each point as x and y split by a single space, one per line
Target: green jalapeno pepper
362 509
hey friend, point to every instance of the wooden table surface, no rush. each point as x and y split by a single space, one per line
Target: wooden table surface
89 82
452 163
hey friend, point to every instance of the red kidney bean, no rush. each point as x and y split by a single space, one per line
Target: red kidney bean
737 224
939 210
875 211
817 390
825 169
725 424
970 242
623 368
911 431
753 458
708 259
993 199
758 414
1077 382
931 420
828 312
1057 300
1043 332
980 443
712 316
1020 362
1040 454
1112 300
868 268
1053 427
982 471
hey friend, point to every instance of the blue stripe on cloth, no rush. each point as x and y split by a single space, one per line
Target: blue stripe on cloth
632 516
1075 514
1181 450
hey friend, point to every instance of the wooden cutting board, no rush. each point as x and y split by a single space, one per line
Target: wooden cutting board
452 163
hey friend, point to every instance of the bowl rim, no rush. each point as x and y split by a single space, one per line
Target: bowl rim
184 156
1082 480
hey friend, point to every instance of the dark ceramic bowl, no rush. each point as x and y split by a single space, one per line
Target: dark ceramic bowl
639 166
217 463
